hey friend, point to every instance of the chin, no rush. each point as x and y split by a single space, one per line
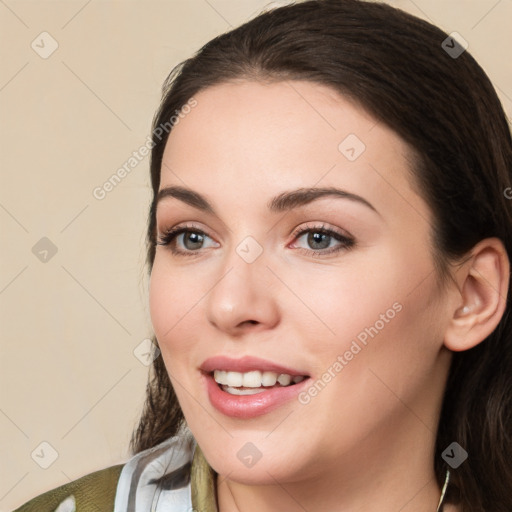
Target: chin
262 473
249 459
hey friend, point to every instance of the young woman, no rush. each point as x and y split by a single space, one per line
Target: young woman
329 247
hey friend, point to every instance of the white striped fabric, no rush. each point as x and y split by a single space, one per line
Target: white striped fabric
137 488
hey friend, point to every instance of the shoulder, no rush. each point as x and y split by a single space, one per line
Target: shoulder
94 492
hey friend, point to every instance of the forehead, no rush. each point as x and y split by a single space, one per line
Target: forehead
281 120
269 137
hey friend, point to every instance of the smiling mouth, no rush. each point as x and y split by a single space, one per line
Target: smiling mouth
253 382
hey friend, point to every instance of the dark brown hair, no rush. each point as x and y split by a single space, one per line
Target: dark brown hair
444 106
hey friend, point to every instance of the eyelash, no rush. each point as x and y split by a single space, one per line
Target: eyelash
168 237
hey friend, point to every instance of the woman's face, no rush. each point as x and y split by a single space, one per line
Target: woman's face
339 288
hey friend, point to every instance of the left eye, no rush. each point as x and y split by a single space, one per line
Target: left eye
320 239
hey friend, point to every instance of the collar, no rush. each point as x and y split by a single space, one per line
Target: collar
203 481
174 475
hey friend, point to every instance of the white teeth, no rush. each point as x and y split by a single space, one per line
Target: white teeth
269 379
220 376
254 379
234 379
284 379
237 391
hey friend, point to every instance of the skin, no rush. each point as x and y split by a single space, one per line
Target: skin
366 441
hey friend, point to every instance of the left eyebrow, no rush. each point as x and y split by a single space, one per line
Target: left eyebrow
280 203
302 196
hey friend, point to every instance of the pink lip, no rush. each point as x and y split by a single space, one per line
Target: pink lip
246 364
248 406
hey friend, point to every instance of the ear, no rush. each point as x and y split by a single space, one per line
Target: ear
482 296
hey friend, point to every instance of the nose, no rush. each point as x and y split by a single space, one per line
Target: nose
242 297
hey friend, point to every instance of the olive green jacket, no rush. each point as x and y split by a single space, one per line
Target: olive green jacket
96 491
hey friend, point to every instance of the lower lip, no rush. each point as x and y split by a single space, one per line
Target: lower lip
250 406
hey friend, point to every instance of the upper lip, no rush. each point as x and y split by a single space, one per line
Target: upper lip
246 364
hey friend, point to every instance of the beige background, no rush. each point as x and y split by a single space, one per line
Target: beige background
70 325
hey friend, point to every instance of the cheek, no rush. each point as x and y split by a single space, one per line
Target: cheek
382 308
172 298
348 299
375 365
160 301
393 352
